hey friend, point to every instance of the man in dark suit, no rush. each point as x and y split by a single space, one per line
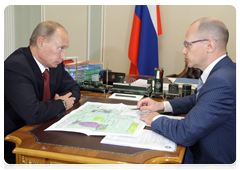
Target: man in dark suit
209 128
24 89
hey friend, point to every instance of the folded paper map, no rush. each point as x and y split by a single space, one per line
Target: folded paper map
102 119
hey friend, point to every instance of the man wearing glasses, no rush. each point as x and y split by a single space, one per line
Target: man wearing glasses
209 128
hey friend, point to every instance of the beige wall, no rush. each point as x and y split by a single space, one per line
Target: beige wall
175 21
117 29
74 19
118 26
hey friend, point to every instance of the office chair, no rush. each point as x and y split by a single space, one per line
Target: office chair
188 72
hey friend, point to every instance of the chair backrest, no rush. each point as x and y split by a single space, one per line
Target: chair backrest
193 73
190 72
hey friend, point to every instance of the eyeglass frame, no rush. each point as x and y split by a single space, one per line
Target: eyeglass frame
186 44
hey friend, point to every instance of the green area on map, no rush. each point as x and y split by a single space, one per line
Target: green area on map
99 118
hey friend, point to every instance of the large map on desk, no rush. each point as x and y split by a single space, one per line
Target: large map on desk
102 119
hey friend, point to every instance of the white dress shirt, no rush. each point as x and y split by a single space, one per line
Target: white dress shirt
41 67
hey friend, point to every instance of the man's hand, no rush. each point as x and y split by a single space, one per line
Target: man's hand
148 117
69 100
149 104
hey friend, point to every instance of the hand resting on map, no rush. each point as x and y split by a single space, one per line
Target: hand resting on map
151 105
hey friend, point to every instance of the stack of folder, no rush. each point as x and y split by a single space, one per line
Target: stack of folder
83 71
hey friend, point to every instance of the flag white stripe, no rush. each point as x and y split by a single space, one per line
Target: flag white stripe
153 13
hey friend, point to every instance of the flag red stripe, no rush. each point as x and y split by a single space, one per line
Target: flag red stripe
159 21
134 45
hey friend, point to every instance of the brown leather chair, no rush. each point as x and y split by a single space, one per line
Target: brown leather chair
188 72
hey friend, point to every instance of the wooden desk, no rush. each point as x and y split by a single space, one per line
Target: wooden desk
30 151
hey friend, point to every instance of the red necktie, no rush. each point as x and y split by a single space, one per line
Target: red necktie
46 90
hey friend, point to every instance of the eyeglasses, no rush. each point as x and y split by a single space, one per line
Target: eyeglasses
186 44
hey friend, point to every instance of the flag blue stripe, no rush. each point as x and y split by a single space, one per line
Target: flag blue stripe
138 10
148 45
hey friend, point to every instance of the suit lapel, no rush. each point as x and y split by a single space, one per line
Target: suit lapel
36 71
225 61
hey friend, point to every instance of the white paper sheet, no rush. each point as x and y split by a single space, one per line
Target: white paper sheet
174 117
180 84
126 96
147 140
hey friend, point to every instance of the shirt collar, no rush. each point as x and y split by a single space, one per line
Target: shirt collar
41 67
207 71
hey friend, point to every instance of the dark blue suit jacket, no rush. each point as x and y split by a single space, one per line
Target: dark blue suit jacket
23 91
209 128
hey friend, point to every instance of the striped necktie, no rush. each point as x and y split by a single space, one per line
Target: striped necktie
200 84
46 90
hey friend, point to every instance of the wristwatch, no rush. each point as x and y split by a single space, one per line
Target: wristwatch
64 103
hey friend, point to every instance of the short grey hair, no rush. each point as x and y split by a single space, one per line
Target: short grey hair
213 28
44 29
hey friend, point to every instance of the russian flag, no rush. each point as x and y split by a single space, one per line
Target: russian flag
143 46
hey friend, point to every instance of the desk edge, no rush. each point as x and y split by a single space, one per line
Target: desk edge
64 157
14 139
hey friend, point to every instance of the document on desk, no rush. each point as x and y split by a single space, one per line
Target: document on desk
144 82
94 118
146 140
126 96
186 81
181 81
174 117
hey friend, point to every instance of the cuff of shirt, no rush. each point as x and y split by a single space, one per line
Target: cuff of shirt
167 107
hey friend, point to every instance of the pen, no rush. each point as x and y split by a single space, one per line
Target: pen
120 95
135 109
